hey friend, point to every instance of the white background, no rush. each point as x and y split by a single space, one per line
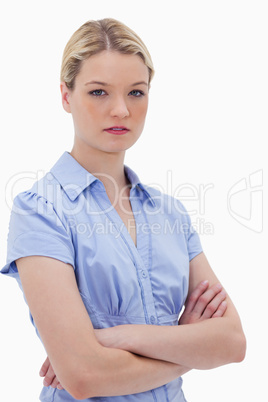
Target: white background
206 126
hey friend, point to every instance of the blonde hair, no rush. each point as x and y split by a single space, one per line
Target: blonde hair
95 36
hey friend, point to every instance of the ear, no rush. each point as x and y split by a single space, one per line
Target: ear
65 95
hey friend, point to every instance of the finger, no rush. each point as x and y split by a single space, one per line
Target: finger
56 384
221 310
206 298
49 377
213 306
194 296
44 367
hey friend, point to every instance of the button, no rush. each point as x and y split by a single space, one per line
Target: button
144 274
152 319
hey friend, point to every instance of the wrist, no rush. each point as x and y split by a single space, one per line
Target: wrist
126 337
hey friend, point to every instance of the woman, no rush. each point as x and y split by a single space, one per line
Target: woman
106 263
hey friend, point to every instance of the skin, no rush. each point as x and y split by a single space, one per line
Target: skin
205 344
120 104
202 304
129 358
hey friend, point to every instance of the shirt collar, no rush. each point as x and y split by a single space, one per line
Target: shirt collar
74 178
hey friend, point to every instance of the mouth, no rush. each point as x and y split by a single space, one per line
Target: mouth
117 130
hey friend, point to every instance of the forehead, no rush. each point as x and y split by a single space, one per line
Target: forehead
113 68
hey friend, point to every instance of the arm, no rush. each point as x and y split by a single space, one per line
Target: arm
204 344
201 304
83 366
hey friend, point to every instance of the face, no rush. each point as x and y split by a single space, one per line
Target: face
110 93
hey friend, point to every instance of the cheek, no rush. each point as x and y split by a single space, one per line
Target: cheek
90 111
142 111
139 109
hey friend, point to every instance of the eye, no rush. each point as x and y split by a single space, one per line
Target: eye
97 92
136 93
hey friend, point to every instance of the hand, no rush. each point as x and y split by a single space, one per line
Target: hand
204 303
50 376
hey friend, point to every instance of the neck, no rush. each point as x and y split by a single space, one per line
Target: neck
108 167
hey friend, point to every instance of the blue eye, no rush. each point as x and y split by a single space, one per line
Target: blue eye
97 92
136 93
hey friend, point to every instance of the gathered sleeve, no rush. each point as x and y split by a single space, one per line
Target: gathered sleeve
36 229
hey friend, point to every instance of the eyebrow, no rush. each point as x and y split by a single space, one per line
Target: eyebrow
105 83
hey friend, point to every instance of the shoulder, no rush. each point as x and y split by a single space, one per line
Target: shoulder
45 195
38 207
37 228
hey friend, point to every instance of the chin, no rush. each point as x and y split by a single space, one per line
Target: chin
119 146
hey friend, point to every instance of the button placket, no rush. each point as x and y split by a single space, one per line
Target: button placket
144 274
140 255
152 319
143 257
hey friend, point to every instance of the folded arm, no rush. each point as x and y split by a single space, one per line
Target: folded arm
203 303
83 366
205 344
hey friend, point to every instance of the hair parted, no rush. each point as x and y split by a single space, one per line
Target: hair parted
95 36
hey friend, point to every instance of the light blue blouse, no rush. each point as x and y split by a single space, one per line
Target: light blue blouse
67 215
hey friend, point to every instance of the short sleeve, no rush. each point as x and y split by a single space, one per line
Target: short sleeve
192 238
36 229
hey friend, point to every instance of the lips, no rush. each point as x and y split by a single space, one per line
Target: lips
117 130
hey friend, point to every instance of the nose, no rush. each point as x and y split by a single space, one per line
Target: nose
119 108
